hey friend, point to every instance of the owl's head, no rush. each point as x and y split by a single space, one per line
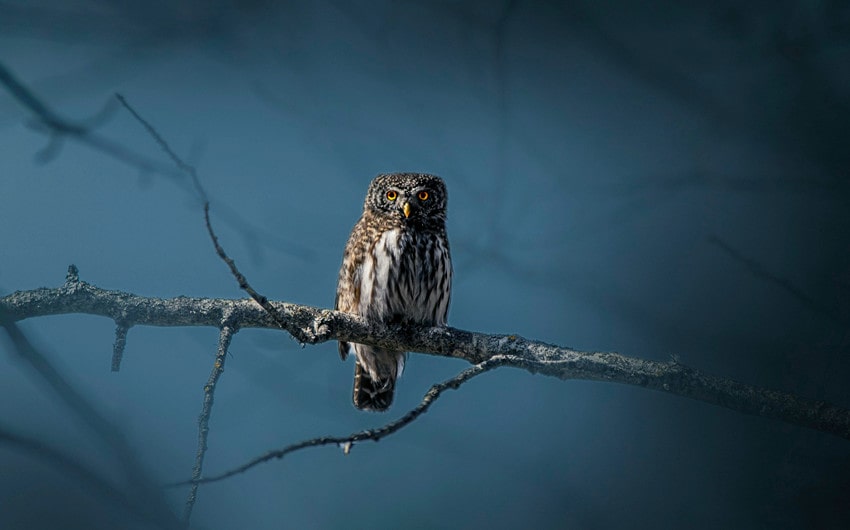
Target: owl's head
417 198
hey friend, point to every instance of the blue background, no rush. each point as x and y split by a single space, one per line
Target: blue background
638 177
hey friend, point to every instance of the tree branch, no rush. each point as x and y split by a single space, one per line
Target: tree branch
59 128
314 325
224 337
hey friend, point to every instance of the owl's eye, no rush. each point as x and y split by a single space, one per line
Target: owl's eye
423 195
392 195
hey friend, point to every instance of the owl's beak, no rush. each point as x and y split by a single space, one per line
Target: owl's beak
406 209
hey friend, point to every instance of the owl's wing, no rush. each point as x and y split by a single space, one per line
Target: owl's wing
348 286
344 347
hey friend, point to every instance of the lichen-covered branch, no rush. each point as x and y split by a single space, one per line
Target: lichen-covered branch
313 325
224 337
121 330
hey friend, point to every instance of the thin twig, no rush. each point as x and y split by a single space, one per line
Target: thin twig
347 442
225 336
240 278
57 128
182 166
193 174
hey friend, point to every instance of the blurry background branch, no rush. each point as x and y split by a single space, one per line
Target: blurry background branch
59 129
129 501
144 498
314 325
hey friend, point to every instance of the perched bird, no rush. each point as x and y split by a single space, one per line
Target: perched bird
396 268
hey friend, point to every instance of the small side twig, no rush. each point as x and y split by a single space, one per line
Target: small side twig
182 166
347 442
121 329
225 336
240 278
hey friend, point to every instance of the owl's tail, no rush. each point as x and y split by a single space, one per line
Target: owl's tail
372 394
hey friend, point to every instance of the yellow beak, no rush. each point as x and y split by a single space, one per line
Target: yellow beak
406 209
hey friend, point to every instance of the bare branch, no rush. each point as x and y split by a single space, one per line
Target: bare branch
347 442
183 167
261 300
58 128
190 171
314 325
225 336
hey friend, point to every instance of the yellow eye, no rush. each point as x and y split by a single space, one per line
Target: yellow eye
423 195
392 195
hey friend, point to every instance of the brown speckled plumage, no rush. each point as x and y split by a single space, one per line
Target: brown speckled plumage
396 268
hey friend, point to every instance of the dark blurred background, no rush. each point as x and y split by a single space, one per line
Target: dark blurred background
650 178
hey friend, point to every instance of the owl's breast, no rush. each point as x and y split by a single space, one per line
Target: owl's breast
404 276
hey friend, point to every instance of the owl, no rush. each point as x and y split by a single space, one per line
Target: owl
396 268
